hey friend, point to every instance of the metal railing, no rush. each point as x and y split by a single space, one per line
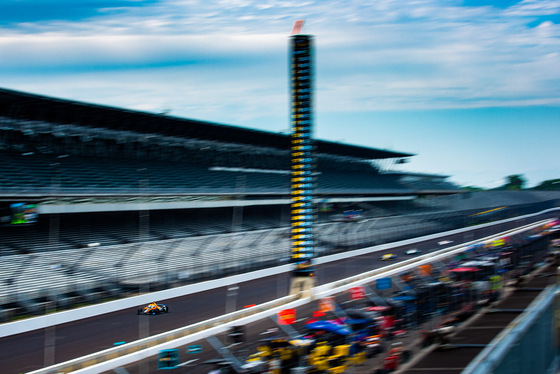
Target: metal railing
528 345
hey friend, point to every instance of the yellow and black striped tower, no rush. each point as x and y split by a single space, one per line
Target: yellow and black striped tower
303 161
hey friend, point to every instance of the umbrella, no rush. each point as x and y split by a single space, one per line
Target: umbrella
472 247
464 270
329 326
404 298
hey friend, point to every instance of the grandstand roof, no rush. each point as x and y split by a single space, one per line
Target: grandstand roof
415 174
42 108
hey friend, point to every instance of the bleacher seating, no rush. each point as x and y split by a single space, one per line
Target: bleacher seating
69 158
48 172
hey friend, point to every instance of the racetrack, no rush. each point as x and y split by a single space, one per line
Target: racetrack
38 349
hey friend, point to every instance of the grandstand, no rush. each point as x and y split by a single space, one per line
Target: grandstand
131 201
80 148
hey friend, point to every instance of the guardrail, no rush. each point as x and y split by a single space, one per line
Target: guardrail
528 344
134 351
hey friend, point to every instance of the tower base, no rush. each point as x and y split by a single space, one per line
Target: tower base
302 286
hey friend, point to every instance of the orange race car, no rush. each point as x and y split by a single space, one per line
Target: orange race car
154 308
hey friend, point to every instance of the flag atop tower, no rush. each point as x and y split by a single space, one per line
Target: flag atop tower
297 26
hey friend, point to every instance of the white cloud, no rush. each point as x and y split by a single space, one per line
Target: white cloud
370 55
534 8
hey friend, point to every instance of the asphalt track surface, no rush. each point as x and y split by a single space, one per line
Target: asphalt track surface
37 349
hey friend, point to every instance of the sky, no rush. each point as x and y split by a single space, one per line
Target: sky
471 87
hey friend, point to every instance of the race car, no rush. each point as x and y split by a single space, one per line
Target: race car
388 256
153 308
413 251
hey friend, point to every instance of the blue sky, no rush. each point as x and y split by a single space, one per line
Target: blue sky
470 86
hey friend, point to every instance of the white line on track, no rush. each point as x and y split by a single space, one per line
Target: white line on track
188 362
